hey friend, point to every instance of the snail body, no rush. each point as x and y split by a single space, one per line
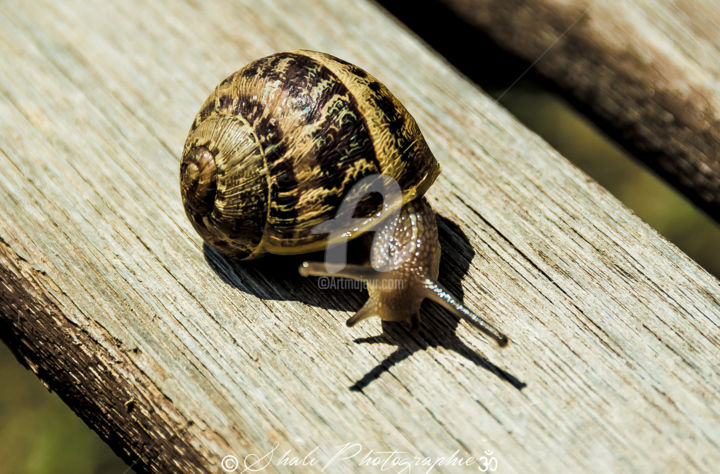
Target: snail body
407 247
281 143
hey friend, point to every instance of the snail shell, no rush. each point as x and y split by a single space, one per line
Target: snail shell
278 145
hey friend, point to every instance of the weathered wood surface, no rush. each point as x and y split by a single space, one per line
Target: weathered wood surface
647 70
179 358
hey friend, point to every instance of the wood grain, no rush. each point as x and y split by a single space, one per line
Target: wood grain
647 70
178 357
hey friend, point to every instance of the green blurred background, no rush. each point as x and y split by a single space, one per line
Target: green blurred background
39 434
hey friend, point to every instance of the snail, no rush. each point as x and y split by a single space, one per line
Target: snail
282 143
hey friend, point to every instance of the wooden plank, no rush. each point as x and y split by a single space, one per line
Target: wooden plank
178 357
646 70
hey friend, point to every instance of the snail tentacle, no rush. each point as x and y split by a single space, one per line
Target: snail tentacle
440 295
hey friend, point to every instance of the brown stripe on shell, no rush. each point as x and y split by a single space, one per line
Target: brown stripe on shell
398 142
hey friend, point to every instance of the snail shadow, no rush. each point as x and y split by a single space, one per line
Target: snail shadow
438 327
277 278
